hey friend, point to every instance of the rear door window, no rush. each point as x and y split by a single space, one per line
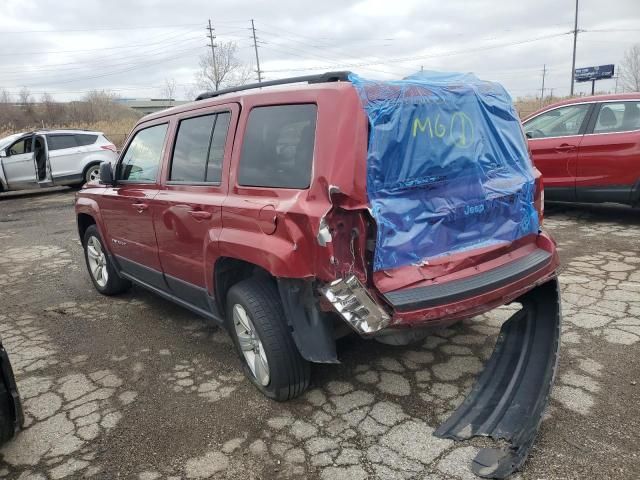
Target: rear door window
60 142
199 149
618 117
83 139
278 146
142 159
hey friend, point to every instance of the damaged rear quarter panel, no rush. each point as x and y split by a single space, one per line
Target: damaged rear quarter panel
277 228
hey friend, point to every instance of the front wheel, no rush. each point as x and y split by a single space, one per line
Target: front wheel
92 173
102 272
257 324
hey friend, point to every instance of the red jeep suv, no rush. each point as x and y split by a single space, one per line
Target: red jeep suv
588 148
331 203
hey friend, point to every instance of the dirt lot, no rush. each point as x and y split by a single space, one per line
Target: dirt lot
135 387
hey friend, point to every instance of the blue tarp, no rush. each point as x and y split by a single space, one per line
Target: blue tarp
448 168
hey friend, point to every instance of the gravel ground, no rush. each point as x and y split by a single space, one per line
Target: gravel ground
136 387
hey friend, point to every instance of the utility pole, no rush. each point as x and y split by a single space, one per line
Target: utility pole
551 94
211 36
544 73
255 47
575 41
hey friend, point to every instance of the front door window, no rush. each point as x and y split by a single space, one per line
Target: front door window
143 156
559 122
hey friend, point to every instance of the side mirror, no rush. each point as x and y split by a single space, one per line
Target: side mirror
106 174
3 154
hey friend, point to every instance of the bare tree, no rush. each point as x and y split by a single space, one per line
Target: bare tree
630 69
24 97
191 91
5 97
229 70
168 91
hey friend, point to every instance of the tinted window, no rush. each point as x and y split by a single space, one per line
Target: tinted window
83 139
58 142
189 162
558 122
142 158
199 149
278 147
216 152
618 117
23 146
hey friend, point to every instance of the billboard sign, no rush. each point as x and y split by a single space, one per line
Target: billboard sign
588 74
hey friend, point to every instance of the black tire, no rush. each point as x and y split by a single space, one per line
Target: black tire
11 416
114 283
288 372
7 417
87 172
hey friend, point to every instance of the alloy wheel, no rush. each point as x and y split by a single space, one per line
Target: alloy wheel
97 261
251 346
93 174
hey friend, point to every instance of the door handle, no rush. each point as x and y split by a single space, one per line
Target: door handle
565 147
140 207
200 214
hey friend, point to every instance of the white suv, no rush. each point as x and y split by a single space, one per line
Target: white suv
52 157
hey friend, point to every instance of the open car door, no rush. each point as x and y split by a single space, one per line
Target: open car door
41 161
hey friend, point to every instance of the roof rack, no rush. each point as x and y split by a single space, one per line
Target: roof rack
318 78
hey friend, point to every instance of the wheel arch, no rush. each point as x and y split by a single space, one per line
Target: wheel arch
87 214
227 271
84 221
311 329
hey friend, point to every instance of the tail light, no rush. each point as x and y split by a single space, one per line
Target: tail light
538 196
111 147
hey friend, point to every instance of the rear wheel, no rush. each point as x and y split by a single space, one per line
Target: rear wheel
270 358
101 270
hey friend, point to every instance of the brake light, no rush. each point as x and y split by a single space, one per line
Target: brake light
111 147
538 198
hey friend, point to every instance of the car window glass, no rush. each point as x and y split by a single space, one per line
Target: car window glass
216 151
23 146
189 162
142 158
277 150
83 139
618 117
59 142
558 122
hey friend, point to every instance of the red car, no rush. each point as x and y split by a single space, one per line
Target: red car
588 148
289 215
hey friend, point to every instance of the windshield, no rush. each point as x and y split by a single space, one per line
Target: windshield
7 140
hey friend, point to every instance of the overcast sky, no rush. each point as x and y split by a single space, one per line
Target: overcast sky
130 47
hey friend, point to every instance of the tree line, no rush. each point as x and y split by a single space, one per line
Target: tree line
22 111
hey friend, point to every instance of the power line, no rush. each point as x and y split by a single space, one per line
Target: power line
94 29
421 57
82 65
322 46
137 66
